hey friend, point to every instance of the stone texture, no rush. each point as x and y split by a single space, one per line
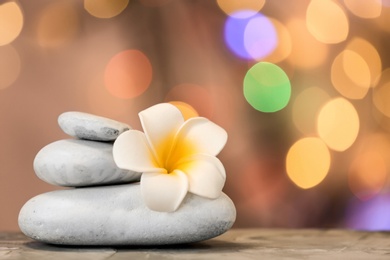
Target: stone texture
116 215
75 163
91 127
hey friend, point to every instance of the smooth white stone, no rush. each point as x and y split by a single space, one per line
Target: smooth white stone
116 215
75 163
91 127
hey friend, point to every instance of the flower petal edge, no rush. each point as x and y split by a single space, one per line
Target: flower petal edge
164 192
160 124
131 151
206 175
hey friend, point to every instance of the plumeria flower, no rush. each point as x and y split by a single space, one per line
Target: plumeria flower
176 156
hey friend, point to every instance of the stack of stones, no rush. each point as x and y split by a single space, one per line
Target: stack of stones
104 205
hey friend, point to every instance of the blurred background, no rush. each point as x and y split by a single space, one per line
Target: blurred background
302 88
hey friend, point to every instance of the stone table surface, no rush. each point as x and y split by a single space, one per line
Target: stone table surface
235 244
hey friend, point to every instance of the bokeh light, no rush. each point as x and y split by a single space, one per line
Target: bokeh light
364 9
267 87
194 95
308 162
11 22
306 108
372 215
327 21
232 7
58 24
381 121
283 47
381 93
128 74
260 37
385 3
250 38
9 65
306 52
383 20
378 142
338 124
105 8
351 75
370 55
367 174
187 110
115 58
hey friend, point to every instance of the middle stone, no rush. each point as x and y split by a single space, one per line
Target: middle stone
76 163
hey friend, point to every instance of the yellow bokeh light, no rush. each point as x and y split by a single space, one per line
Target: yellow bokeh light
367 174
231 7
338 124
364 9
308 162
356 68
11 22
283 48
187 110
128 74
58 24
105 8
381 94
370 55
306 107
306 52
9 66
351 75
327 21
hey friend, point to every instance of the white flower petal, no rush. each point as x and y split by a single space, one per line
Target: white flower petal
199 135
160 124
206 175
131 152
164 192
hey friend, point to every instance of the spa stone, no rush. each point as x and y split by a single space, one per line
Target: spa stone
75 163
116 215
91 127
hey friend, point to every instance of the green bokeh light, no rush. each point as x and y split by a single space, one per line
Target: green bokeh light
267 87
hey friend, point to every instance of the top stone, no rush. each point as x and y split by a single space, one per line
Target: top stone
91 127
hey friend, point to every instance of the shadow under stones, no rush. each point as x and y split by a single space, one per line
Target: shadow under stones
198 247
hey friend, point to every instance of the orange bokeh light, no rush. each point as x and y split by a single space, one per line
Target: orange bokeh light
105 8
11 22
58 24
364 9
308 162
350 75
231 7
367 174
306 51
327 21
128 74
338 124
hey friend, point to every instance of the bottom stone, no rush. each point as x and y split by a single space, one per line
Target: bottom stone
116 215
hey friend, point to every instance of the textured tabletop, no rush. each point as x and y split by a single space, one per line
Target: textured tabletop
235 244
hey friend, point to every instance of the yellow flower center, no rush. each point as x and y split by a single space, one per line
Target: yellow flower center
173 156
